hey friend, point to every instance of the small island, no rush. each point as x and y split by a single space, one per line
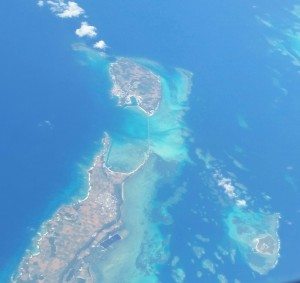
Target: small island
266 244
133 83
256 237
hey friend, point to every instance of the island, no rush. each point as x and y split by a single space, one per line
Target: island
77 231
266 244
256 236
133 83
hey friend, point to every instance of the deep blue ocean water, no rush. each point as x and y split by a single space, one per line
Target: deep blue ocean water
234 104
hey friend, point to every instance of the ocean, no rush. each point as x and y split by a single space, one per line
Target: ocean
243 117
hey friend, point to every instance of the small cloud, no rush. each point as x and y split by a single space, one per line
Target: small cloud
46 124
241 203
65 10
72 9
266 197
226 184
40 3
86 30
100 45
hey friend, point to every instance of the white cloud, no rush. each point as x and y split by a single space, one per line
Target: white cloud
100 45
40 3
229 189
86 30
226 185
46 124
71 10
241 203
65 10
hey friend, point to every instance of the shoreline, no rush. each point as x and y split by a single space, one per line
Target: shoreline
106 146
35 247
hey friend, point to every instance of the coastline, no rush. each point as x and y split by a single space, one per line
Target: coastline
114 225
106 186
